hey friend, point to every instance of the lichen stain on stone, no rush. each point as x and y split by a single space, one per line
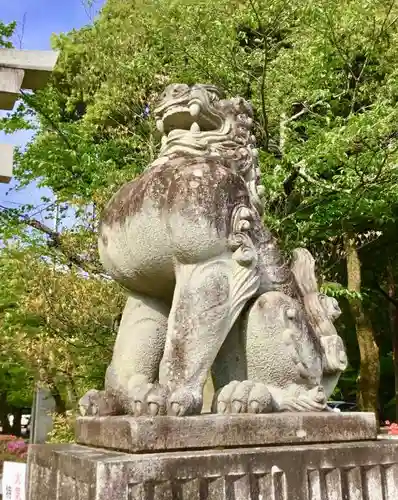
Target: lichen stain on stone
192 186
208 296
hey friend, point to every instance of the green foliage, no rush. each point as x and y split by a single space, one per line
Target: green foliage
338 291
56 325
63 428
12 450
6 32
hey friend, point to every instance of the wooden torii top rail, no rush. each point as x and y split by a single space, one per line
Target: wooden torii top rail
20 69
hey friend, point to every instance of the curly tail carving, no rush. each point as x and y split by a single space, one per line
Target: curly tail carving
303 269
321 310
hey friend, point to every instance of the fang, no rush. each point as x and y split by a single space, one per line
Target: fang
160 126
195 127
194 109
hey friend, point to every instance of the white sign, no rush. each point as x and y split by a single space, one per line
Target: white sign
14 477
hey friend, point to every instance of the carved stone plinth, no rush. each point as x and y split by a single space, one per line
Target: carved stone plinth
349 471
143 434
237 466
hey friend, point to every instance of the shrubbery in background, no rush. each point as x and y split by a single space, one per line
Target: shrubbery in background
63 428
12 449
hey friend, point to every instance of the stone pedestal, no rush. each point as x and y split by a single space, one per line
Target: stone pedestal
250 458
144 434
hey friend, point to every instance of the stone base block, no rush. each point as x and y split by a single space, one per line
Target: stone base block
344 471
223 431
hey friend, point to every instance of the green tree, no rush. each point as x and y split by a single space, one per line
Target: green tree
56 326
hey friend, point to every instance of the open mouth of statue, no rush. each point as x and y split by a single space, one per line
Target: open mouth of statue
179 119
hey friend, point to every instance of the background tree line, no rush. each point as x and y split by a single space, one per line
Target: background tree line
322 76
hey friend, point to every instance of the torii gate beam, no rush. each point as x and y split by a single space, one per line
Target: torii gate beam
20 69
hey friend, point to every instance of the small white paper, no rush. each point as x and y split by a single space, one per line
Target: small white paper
14 481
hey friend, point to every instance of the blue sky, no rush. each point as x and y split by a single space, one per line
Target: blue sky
40 19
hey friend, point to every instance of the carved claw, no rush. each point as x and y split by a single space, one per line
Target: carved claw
97 404
221 407
87 405
155 399
147 399
243 397
304 400
153 409
254 407
184 401
175 409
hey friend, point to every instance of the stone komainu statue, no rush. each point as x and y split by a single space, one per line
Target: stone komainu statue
207 286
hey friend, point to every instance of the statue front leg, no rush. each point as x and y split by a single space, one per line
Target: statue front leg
208 298
131 384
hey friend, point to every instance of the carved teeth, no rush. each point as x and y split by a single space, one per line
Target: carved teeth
160 126
194 109
195 127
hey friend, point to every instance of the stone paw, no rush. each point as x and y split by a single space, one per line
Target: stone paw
97 404
155 399
184 401
243 397
307 400
148 399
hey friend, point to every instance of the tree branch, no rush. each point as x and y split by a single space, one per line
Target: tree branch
390 299
55 241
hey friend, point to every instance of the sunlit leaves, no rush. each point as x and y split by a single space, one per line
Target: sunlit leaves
6 32
56 322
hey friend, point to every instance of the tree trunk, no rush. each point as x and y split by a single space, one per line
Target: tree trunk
16 424
369 371
60 405
394 332
4 411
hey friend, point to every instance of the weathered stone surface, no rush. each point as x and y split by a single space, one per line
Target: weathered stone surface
10 84
26 69
222 431
6 161
37 65
349 471
42 410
